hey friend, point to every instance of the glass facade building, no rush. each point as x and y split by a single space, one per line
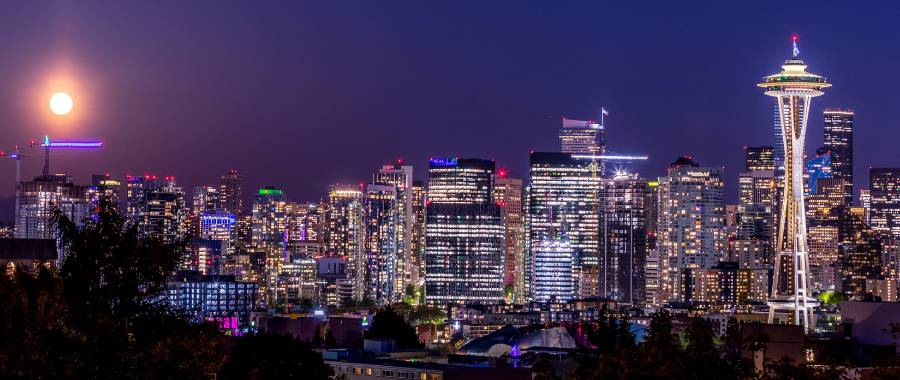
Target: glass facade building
463 234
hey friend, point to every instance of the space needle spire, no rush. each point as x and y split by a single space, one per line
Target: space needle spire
793 88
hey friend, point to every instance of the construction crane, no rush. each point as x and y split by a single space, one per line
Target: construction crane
47 145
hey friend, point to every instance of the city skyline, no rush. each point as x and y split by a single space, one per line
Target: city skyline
274 125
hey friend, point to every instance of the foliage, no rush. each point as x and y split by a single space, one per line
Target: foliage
423 314
104 315
270 356
387 324
831 297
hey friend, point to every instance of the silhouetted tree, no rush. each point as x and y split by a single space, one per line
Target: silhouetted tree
270 356
387 324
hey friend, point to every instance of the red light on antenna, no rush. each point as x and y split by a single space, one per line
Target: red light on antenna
794 38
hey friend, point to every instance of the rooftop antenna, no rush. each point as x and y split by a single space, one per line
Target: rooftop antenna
47 144
796 51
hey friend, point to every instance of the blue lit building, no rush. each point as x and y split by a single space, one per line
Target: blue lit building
819 167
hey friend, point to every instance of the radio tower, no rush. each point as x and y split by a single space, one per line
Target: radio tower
793 87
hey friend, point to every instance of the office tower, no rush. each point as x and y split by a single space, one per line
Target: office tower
884 208
749 254
623 236
582 137
382 221
756 205
508 195
463 234
839 141
561 224
267 236
417 234
691 222
231 192
651 278
204 199
36 201
793 88
716 286
759 158
345 231
400 177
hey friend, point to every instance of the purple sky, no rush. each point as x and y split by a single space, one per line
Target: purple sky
300 95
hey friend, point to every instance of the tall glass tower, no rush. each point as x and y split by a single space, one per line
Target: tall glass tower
793 88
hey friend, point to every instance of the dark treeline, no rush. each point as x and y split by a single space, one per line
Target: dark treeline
103 315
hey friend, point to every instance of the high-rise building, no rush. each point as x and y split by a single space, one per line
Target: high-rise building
561 224
884 209
268 231
691 222
103 186
204 199
839 141
865 200
36 201
304 229
793 88
400 177
861 253
756 206
231 192
623 236
464 233
582 137
758 158
157 207
417 234
816 169
382 259
345 232
508 195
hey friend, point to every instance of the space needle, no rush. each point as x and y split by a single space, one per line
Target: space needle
793 88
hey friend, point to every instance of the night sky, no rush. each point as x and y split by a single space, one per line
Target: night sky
302 95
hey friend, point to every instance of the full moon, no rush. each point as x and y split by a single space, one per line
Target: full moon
61 103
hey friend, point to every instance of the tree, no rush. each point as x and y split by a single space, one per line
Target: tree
387 324
104 315
270 356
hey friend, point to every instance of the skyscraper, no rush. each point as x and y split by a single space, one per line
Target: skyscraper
345 232
623 236
561 223
582 137
382 260
793 88
508 195
464 233
400 177
231 192
204 198
884 209
157 207
691 222
417 234
268 231
839 141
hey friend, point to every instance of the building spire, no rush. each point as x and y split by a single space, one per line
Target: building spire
796 51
